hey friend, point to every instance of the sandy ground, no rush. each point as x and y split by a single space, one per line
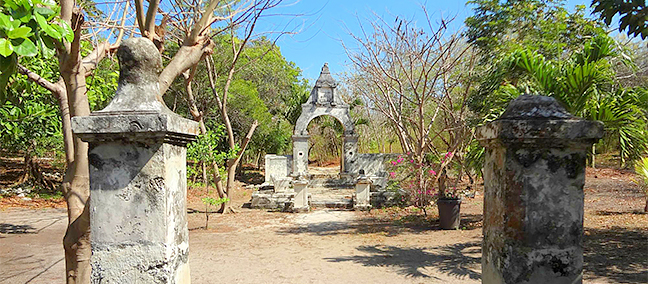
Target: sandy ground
326 246
323 246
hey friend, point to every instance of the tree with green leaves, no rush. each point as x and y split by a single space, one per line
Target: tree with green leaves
633 15
545 26
194 26
243 85
558 53
583 83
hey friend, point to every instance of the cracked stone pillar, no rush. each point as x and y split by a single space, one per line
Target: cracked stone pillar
300 155
138 177
300 201
362 193
533 201
350 149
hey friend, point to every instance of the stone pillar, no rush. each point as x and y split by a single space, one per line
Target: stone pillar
300 201
300 155
349 155
533 203
138 177
363 193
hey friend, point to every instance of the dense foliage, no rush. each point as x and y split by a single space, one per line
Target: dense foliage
265 88
565 55
28 28
633 15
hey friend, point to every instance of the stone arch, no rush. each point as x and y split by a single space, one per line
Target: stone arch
341 115
323 100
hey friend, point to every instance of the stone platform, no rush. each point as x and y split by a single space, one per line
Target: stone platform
326 189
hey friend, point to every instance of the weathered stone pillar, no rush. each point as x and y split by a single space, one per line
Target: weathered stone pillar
300 201
533 204
138 177
362 193
350 149
300 155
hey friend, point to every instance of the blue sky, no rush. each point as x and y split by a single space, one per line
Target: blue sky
322 25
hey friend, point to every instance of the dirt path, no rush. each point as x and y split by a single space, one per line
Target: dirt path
324 246
327 246
31 249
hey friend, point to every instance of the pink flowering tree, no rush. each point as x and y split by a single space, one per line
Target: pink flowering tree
417 74
424 182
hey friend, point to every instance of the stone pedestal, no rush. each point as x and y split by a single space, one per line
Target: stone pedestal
362 194
533 204
300 202
282 185
138 180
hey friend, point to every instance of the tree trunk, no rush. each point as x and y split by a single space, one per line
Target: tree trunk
233 163
204 173
593 165
77 179
257 160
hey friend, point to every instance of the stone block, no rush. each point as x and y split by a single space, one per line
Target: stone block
277 167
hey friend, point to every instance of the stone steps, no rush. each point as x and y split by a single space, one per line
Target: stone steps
341 204
327 197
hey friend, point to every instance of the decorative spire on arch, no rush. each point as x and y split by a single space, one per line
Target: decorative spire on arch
325 79
324 94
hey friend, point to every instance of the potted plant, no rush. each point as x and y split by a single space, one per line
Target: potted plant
449 201
449 204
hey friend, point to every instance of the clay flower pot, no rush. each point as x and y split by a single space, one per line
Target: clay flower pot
449 215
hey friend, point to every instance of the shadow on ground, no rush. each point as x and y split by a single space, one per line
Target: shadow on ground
250 175
27 261
458 260
617 253
615 213
371 225
16 229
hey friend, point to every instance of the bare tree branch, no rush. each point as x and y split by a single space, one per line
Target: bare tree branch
149 25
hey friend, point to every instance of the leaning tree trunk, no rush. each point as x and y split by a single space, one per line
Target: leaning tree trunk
77 180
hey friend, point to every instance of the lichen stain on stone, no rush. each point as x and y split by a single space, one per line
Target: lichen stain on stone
576 165
527 157
159 271
561 263
514 213
155 188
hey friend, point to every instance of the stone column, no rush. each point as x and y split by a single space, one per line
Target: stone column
350 149
363 193
300 201
138 177
300 155
533 203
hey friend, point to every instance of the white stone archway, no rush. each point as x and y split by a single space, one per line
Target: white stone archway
324 100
